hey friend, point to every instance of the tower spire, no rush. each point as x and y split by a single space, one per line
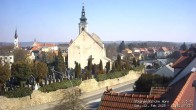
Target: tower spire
16 45
83 21
16 35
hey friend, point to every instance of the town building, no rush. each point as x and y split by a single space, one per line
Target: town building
86 46
38 48
163 52
7 58
166 71
180 94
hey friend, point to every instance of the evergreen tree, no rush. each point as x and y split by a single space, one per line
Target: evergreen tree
134 62
77 70
183 46
100 65
113 67
94 69
119 65
66 61
107 67
121 46
127 66
101 71
89 67
59 63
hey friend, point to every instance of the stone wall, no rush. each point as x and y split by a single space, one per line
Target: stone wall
39 97
92 84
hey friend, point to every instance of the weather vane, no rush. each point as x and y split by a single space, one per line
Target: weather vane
83 2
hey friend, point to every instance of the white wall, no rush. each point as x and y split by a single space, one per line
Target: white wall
8 59
84 47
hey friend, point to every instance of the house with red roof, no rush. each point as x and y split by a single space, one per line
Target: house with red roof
38 47
163 52
179 95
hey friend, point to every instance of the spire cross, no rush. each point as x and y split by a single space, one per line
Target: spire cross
83 2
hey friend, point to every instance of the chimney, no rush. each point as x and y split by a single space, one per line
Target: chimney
194 101
107 88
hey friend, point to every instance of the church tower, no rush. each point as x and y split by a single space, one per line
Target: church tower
83 24
16 39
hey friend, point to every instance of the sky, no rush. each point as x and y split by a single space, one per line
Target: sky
111 20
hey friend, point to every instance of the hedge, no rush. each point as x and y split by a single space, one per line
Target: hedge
138 68
60 85
112 75
19 92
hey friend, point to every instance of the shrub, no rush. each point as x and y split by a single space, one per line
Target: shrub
19 92
112 75
60 85
138 68
101 77
146 81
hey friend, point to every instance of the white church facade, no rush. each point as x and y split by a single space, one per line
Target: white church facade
86 46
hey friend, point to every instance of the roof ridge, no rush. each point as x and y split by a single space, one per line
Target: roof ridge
177 100
93 39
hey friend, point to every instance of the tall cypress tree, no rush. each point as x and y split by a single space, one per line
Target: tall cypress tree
89 67
121 46
76 70
183 46
108 67
59 62
119 65
113 67
94 69
134 62
100 65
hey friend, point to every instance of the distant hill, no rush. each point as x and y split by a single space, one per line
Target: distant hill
28 44
149 43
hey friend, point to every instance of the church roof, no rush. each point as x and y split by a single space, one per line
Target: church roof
95 38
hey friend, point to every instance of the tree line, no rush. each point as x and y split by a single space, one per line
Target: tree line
22 69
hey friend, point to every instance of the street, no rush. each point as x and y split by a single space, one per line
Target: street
89 100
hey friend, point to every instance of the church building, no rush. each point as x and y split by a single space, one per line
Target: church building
16 44
86 46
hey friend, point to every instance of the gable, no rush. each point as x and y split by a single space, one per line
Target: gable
84 38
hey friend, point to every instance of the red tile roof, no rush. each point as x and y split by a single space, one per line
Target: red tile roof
42 44
181 93
182 62
37 45
35 48
163 49
158 90
122 101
